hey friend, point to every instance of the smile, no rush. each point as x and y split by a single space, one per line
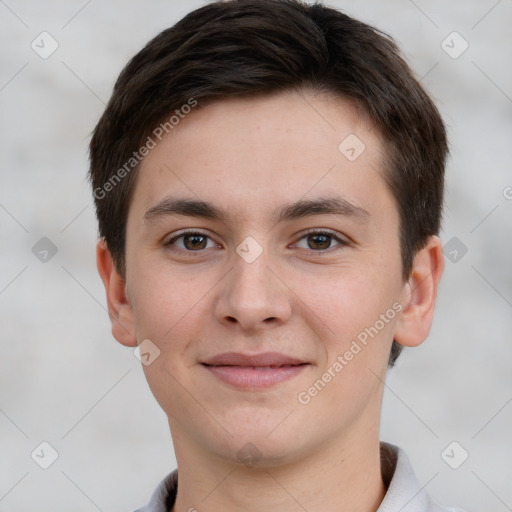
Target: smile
251 377
254 371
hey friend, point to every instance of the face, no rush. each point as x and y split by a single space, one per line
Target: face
263 262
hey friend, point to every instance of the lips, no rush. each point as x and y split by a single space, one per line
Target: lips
255 360
252 371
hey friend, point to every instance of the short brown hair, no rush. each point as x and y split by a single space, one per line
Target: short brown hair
243 47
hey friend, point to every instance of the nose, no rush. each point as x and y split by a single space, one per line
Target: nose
253 296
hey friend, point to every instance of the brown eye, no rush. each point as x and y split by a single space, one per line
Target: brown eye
195 241
319 241
190 241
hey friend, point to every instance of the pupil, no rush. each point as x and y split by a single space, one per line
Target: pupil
321 240
196 240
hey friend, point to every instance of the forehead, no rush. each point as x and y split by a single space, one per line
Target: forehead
248 154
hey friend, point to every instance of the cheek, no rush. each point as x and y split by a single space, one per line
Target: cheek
350 301
170 311
358 312
167 306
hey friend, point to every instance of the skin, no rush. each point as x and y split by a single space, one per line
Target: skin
301 297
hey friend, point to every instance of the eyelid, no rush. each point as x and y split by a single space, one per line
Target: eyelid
342 239
185 232
188 231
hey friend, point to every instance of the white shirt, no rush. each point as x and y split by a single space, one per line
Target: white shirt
404 493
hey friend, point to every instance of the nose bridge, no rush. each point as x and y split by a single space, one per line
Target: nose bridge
253 295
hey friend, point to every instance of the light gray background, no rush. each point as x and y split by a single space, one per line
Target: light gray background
63 378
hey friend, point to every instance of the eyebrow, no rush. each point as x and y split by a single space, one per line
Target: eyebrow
302 208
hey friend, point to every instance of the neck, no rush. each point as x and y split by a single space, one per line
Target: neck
345 477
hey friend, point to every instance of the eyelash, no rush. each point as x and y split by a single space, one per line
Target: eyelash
332 234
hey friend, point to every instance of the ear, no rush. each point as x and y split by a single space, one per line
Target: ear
119 307
420 292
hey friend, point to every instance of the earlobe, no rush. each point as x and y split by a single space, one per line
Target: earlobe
420 294
119 307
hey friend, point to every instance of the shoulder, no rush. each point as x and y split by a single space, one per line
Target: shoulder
404 492
163 496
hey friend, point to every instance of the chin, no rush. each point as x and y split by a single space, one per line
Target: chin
251 439
260 452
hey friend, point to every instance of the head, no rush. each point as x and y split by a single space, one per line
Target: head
241 108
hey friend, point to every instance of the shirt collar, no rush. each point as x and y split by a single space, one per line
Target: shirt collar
404 493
